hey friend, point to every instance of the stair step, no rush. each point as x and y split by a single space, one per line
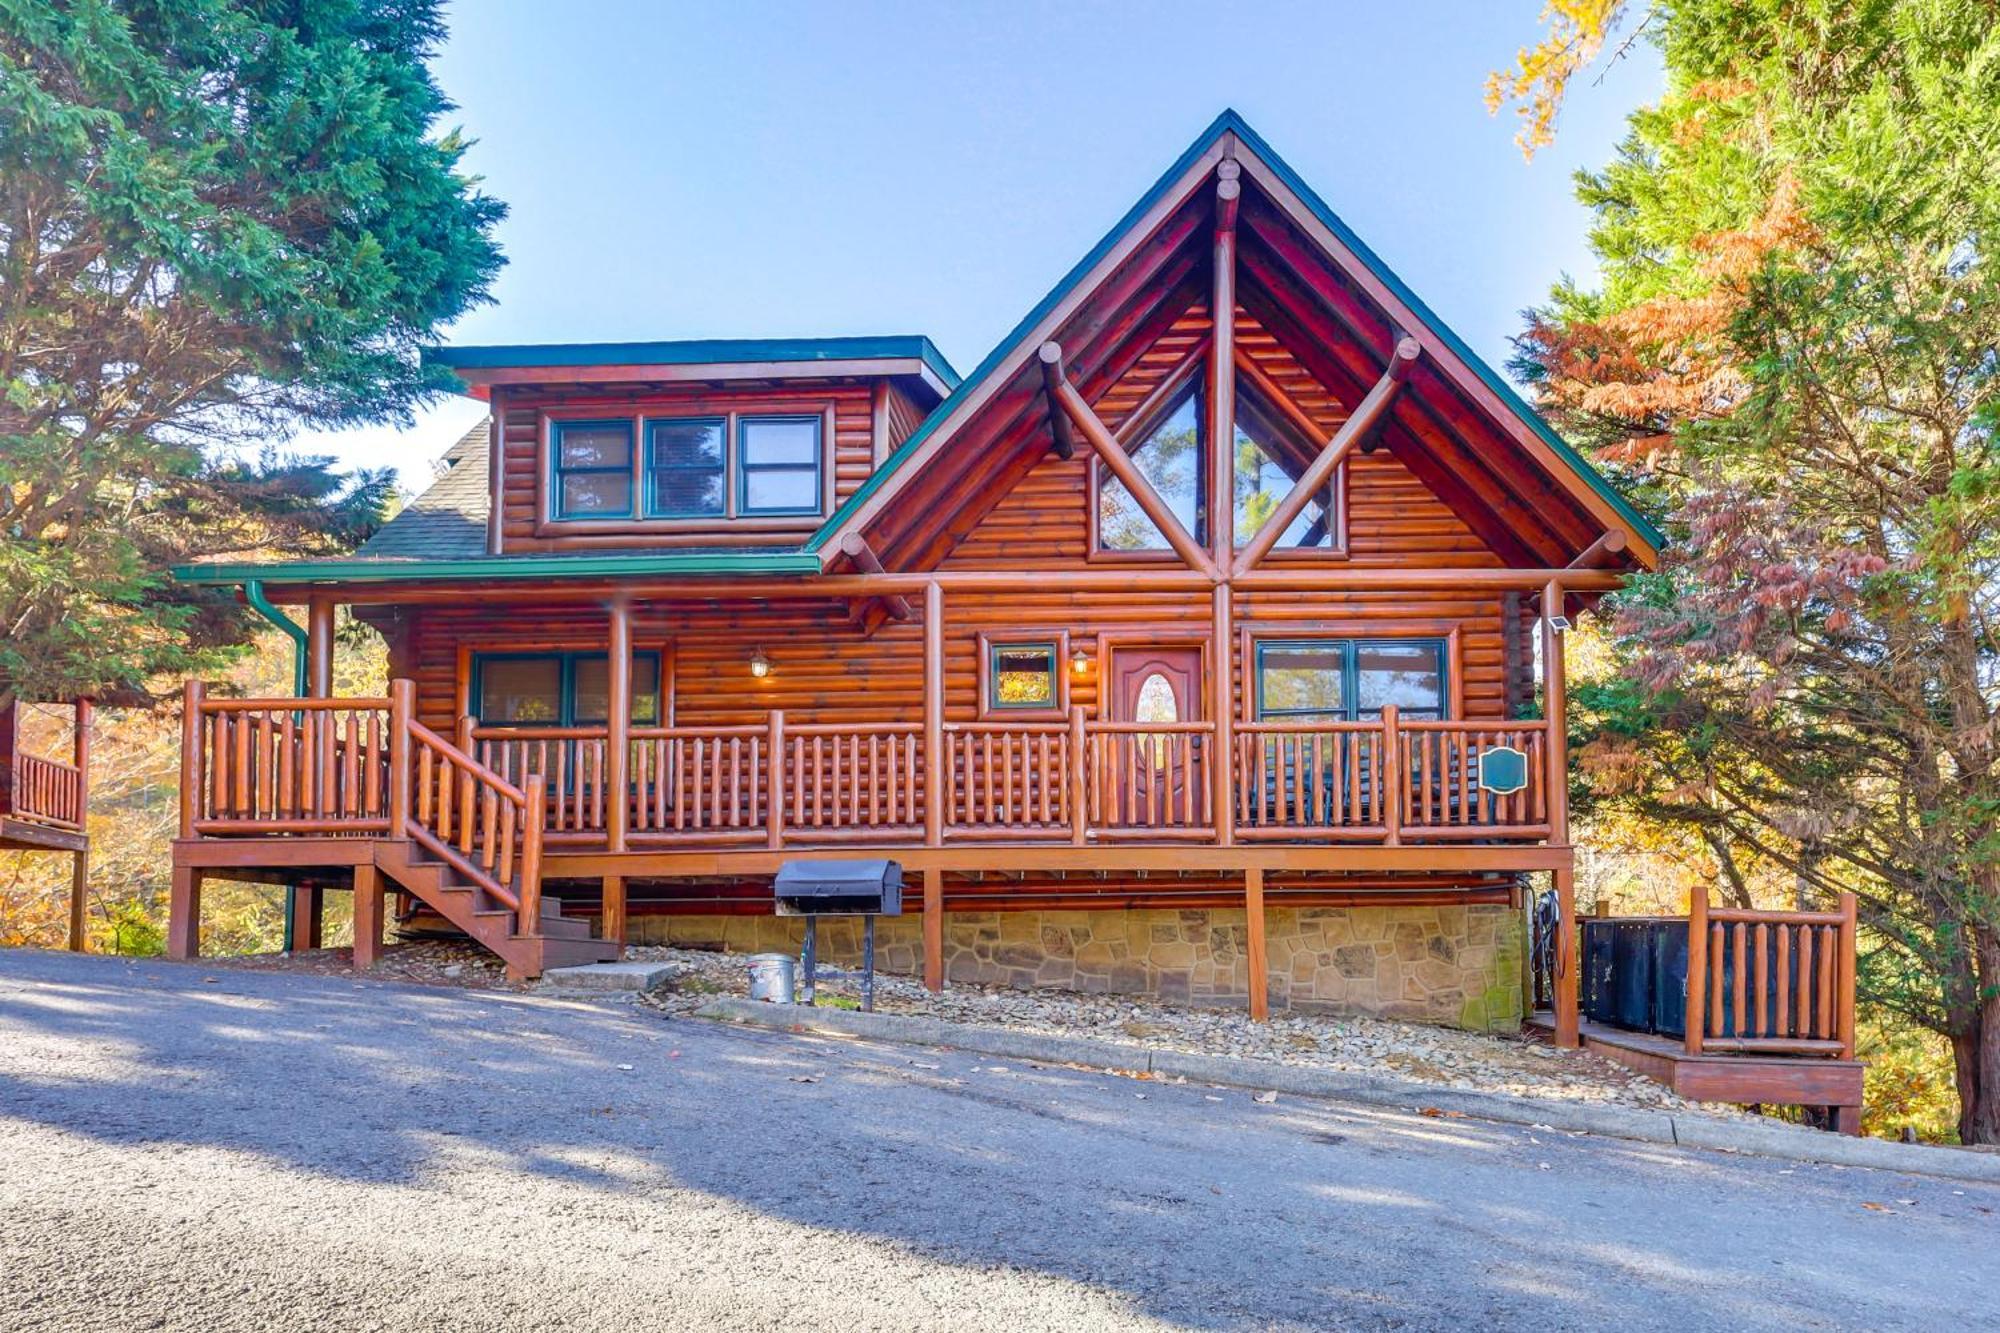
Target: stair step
569 953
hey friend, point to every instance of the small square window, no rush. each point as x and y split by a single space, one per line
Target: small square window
780 461
593 469
686 469
1024 676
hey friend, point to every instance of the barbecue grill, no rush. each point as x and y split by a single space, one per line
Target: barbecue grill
813 889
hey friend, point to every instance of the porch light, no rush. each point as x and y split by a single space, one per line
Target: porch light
760 665
1079 662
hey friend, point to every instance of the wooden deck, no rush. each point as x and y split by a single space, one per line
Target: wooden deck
1741 1080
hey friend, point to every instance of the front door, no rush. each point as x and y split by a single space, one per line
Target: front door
1158 763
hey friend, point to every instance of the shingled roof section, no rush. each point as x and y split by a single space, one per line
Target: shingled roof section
446 522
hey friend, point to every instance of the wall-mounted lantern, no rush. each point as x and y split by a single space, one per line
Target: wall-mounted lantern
760 665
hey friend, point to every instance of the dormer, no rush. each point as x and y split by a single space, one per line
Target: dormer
709 443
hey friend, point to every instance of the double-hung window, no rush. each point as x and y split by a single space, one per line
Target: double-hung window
778 459
593 469
687 465
1347 680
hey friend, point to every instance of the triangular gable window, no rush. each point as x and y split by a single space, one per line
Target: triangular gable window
1172 455
1270 455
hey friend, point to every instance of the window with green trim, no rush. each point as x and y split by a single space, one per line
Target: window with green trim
778 462
1346 680
558 689
1023 675
687 468
592 466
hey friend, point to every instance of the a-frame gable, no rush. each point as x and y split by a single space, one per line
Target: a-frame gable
1305 281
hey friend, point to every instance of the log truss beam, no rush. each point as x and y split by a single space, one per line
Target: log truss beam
1113 453
1358 427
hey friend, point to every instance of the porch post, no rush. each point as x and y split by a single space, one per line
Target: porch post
935 763
319 648
1253 906
184 914
367 916
1555 709
79 879
1566 998
1222 762
933 929
618 728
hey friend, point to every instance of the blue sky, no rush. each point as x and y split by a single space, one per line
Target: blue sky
693 170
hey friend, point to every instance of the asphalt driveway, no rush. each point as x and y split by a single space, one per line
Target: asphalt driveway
185 1147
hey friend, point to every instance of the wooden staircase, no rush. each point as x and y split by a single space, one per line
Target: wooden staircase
551 939
365 777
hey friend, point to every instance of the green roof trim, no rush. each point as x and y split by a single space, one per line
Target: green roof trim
696 352
505 567
1230 122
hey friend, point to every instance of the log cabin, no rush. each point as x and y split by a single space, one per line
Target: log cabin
1205 641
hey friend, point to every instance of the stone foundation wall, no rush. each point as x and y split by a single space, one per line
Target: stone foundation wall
1459 966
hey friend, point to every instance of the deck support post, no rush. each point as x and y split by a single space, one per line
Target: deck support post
1555 706
79 878
618 725
402 709
614 910
1695 1010
308 917
1566 996
184 914
1253 907
933 929
368 901
935 764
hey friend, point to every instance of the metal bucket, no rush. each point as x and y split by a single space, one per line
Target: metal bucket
773 977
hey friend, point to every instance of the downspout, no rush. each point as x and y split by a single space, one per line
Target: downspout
253 594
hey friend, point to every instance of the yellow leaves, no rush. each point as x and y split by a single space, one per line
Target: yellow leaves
1540 76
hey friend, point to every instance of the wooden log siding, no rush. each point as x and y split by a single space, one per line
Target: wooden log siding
849 453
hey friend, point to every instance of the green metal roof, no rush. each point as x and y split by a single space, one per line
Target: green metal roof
697 352
1230 122
505 567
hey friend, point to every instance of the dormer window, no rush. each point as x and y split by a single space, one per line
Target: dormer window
668 470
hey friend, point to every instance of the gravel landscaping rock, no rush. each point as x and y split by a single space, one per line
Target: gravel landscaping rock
1445 1057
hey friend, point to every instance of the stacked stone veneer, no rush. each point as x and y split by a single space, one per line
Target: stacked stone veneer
1454 965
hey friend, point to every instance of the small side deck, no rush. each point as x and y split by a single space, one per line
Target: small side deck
44 802
1741 1080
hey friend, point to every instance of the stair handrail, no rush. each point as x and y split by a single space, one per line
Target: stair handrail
509 870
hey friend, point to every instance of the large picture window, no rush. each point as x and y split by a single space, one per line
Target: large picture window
558 689
1346 680
1269 451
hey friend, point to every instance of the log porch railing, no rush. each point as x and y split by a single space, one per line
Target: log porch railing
340 767
360 767
1770 982
46 791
